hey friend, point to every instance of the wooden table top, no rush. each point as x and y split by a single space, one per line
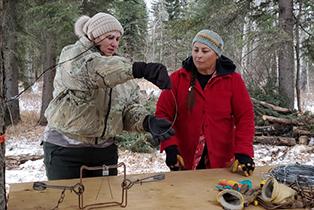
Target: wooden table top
179 190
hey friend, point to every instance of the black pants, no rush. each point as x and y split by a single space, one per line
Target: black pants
65 162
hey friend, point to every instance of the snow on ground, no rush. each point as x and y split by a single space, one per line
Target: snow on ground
35 170
276 155
24 139
147 163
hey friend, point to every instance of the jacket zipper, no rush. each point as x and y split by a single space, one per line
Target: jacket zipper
107 114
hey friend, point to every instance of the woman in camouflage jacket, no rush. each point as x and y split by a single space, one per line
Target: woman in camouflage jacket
94 99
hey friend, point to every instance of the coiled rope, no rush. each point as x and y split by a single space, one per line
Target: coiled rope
298 177
294 173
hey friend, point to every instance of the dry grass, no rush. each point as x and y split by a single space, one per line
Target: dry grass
28 127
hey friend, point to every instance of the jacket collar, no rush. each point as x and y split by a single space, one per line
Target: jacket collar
224 65
86 42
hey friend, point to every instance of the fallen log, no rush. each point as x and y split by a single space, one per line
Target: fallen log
13 161
299 132
264 129
271 106
275 140
273 130
284 121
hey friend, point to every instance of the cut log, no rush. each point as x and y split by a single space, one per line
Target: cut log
299 131
264 129
284 121
273 130
275 140
271 106
304 140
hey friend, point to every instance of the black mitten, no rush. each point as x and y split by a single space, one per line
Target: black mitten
158 127
153 72
246 163
173 158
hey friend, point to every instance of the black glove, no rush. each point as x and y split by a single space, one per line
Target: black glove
173 158
158 127
153 72
246 163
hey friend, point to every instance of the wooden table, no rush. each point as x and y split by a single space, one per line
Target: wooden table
179 190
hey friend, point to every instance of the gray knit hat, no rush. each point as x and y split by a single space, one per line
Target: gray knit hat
97 25
211 39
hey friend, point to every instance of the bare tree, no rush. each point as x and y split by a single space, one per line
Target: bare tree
286 52
3 201
12 112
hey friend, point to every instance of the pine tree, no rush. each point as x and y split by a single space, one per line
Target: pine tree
134 19
51 27
12 115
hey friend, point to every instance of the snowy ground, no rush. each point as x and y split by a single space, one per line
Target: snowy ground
24 139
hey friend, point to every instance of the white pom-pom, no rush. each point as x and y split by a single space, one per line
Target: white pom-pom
79 25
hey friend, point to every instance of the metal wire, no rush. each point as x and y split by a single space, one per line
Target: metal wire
173 121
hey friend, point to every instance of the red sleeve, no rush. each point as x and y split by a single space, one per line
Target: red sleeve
244 117
166 108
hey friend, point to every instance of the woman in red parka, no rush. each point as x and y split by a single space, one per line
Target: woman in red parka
212 110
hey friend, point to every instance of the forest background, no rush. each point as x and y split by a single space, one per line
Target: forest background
270 41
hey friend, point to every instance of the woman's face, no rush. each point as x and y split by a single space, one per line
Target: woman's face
204 58
108 43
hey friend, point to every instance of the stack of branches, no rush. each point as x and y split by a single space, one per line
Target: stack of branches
277 125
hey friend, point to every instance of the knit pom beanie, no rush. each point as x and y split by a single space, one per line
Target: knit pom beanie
97 25
211 39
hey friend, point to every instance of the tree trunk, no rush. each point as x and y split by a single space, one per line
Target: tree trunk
286 52
50 60
12 112
297 54
3 200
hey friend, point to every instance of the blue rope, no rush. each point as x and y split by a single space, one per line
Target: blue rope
294 173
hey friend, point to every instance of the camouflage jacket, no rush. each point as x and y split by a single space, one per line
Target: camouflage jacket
94 97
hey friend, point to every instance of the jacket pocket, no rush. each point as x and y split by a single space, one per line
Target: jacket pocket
73 115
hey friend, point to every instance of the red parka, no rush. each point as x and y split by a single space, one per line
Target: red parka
223 111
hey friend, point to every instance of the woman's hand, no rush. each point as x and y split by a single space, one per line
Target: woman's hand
243 164
159 128
173 158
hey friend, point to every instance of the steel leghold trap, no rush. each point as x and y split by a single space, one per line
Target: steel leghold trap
79 188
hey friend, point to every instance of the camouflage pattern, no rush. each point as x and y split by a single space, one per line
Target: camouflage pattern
94 96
